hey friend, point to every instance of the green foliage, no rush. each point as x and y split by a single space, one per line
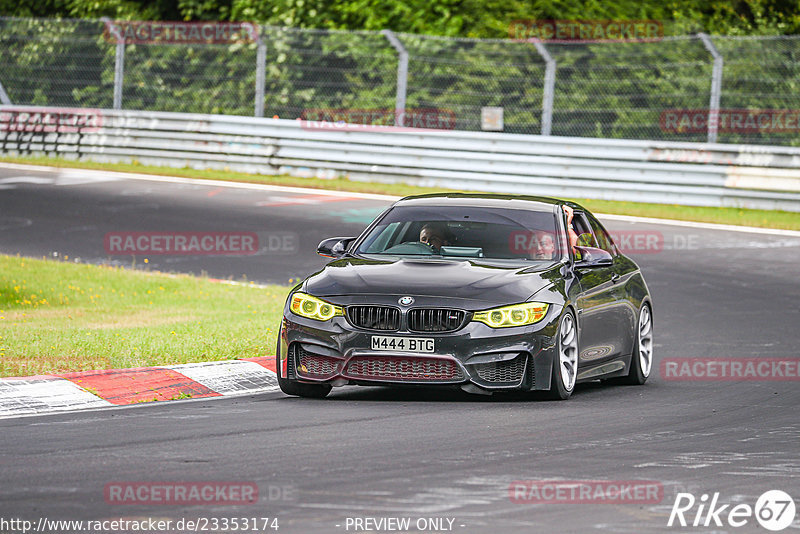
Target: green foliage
465 18
58 316
53 62
616 90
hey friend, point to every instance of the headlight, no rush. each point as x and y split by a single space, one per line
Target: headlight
515 315
307 306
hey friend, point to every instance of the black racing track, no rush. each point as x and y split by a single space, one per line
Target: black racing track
414 453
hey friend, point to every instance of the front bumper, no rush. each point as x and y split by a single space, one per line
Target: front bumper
339 353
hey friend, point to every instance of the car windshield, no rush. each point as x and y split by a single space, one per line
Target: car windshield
466 232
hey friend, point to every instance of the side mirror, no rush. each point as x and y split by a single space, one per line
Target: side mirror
334 247
592 257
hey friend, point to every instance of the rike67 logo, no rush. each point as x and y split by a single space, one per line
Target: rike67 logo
774 510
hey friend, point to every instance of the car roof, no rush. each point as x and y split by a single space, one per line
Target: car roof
495 200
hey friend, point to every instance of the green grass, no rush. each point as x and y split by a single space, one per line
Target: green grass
58 316
744 217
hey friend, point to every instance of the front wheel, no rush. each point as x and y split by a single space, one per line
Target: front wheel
565 365
642 357
298 389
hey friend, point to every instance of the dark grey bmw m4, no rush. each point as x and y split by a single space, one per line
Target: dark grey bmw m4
488 293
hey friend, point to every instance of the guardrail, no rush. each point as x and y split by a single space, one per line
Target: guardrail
748 176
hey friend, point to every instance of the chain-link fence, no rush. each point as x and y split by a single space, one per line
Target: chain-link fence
686 88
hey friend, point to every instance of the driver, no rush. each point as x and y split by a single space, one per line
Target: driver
435 235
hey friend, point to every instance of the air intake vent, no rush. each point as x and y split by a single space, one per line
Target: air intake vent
435 320
310 365
404 368
380 318
507 372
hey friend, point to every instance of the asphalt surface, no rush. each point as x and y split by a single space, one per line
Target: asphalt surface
417 454
72 214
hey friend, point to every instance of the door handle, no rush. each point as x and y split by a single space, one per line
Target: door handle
614 278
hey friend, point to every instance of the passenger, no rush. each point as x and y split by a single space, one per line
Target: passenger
573 237
545 248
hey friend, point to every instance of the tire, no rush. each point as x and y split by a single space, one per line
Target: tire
565 364
642 356
298 389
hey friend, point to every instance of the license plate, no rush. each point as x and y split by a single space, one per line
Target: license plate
407 344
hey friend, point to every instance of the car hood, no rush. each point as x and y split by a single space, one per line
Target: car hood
475 283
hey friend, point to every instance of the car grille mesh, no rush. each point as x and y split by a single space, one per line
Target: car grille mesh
435 319
403 368
509 371
315 365
374 317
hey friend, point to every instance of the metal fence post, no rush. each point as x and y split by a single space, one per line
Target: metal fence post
716 87
549 87
4 96
402 76
119 61
261 61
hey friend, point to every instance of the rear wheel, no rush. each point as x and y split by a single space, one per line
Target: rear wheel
298 389
642 357
565 365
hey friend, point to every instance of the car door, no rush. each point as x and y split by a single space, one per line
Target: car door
598 305
623 314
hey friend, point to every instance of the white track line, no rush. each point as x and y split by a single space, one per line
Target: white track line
222 183
708 226
369 196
